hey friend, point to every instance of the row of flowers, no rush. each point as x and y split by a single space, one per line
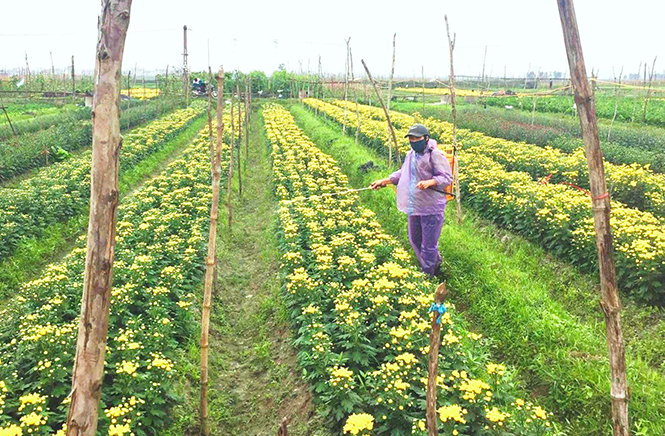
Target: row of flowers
61 191
360 309
634 185
161 240
557 216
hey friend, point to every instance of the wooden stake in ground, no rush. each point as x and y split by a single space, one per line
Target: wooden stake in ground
74 79
385 111
646 100
453 109
392 74
346 82
185 67
610 301
88 369
230 179
616 101
248 105
240 137
211 260
433 368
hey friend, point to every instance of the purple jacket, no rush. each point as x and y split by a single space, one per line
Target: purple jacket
430 164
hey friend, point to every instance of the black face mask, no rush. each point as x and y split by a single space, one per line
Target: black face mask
418 146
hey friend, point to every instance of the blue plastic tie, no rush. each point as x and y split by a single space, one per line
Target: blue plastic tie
440 309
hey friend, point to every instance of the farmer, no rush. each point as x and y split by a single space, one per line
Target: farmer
420 184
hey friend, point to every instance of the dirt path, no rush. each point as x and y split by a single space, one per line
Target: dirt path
255 377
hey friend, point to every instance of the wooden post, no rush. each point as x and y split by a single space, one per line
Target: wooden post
355 88
166 80
453 108
610 300
346 82
433 368
484 60
74 77
616 101
392 74
230 179
385 111
646 100
185 67
88 369
240 137
129 89
422 67
211 260
248 106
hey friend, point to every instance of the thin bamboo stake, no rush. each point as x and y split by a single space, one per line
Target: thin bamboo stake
433 367
240 137
610 300
358 117
88 369
346 82
392 74
458 193
646 100
211 259
385 111
248 91
230 180
616 101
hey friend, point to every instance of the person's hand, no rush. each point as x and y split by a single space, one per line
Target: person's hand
424 184
378 184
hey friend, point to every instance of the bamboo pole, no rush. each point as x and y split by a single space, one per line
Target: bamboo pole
392 74
610 300
433 367
646 100
453 108
355 88
240 137
346 82
74 78
385 111
616 102
230 178
211 260
248 105
88 369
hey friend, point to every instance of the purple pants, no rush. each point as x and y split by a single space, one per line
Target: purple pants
424 232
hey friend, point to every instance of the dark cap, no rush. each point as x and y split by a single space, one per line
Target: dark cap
417 130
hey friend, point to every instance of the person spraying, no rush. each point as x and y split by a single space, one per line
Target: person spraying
420 195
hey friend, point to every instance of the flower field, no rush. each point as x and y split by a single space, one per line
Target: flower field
51 139
61 191
361 312
558 216
157 269
141 93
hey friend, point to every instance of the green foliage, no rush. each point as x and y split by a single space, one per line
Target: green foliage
157 269
62 190
510 290
19 154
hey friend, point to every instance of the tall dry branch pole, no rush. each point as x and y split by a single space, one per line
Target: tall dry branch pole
346 81
616 101
646 100
451 84
185 66
248 105
610 301
211 260
355 87
230 179
392 75
74 79
88 369
240 137
385 111
433 366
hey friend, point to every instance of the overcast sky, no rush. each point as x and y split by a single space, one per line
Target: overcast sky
249 35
